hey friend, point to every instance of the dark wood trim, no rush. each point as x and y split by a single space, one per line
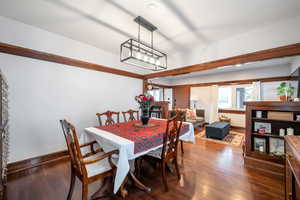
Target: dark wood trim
232 111
283 105
160 85
30 53
27 164
288 50
145 86
240 82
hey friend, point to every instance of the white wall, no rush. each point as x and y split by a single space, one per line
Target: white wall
269 93
203 97
41 92
17 33
270 36
169 97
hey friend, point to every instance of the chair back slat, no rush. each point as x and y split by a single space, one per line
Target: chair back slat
109 118
131 115
171 137
73 146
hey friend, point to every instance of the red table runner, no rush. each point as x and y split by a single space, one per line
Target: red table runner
143 138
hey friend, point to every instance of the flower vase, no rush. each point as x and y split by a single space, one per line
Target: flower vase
145 116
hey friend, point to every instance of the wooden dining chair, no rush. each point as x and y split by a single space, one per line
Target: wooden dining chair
109 117
89 167
131 115
169 150
183 115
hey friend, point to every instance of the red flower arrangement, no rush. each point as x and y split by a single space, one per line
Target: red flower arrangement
145 100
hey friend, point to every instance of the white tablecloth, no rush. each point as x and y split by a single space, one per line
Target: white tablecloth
109 142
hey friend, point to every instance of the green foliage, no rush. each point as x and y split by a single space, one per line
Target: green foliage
285 90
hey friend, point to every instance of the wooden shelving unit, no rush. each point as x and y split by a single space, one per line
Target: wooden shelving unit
265 160
275 120
267 135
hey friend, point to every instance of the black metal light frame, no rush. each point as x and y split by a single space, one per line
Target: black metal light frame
130 48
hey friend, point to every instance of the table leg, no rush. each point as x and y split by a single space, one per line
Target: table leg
123 191
138 183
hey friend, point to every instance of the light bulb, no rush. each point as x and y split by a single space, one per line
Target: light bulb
146 58
152 60
157 62
138 55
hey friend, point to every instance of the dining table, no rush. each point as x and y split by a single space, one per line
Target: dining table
133 141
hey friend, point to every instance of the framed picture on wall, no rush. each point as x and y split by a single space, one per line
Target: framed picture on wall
260 144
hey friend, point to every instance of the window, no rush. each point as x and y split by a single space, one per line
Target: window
225 97
155 93
242 94
233 97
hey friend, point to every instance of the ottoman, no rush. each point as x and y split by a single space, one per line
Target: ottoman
217 130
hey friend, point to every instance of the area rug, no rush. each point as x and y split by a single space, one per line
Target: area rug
233 138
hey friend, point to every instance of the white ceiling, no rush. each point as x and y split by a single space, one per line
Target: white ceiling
182 24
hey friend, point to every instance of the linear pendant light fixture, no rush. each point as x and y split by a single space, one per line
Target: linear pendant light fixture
137 53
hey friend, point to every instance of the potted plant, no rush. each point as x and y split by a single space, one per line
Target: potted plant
284 91
145 101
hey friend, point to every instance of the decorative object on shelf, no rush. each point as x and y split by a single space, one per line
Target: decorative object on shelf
282 132
260 144
4 137
296 99
145 101
261 131
290 131
285 92
137 53
224 118
276 146
298 117
280 115
262 126
258 114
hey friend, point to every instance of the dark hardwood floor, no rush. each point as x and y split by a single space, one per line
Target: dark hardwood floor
210 171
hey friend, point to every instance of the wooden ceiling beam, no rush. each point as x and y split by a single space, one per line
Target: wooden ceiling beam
30 53
289 50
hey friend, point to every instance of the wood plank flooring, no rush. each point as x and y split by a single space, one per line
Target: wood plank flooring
210 171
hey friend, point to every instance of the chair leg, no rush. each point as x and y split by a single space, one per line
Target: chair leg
177 168
101 188
181 144
164 177
71 184
84 191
